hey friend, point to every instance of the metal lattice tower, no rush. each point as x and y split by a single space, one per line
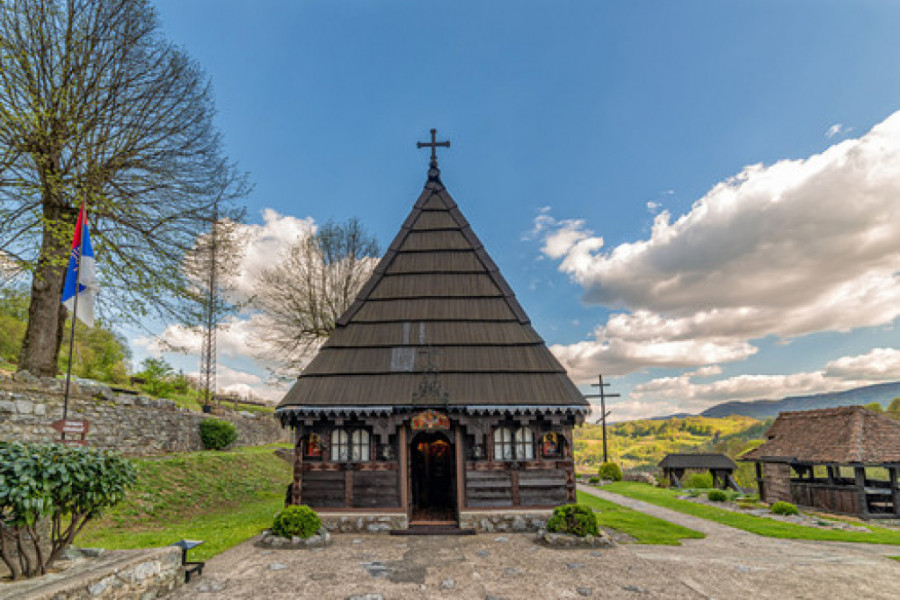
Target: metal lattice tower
208 351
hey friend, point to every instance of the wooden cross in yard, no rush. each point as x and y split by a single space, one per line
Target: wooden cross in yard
603 412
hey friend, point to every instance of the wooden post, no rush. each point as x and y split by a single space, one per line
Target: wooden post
895 492
460 475
860 473
760 482
404 469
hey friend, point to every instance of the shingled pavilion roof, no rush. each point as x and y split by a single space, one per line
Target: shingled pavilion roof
842 435
697 461
436 306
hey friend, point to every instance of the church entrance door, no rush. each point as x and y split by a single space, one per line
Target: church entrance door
433 478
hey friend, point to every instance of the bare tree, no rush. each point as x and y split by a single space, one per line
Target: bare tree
316 280
97 107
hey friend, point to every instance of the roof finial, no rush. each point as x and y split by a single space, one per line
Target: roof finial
433 144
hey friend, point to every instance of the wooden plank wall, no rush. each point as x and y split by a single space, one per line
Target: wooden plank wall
323 489
488 489
376 489
542 488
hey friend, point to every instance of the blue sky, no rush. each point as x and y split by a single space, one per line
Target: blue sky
576 121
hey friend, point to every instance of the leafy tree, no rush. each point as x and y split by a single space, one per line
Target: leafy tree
302 296
893 409
874 406
13 318
99 353
97 107
158 376
67 485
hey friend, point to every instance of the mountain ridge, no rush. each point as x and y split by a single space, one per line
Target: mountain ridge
882 393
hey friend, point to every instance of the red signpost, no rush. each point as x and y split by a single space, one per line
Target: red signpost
71 427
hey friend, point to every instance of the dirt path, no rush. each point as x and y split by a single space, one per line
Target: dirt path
732 563
729 563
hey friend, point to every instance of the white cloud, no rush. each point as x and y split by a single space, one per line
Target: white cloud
263 244
794 248
878 364
837 129
654 207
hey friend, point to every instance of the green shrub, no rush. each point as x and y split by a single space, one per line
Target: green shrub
717 496
301 521
594 480
784 508
217 434
698 480
67 485
575 519
610 471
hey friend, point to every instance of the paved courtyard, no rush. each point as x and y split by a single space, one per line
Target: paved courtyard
729 563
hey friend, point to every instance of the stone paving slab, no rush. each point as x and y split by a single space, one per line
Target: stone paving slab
729 563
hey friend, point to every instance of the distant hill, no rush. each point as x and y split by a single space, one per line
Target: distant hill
882 393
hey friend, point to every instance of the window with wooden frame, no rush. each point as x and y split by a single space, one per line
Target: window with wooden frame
312 447
503 446
524 444
359 446
340 446
550 445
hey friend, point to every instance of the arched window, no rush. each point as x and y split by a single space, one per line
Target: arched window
312 447
360 446
524 443
340 446
550 445
503 447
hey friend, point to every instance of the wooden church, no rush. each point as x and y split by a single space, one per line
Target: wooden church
434 402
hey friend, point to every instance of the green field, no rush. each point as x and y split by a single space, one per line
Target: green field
643 528
758 525
223 498
640 445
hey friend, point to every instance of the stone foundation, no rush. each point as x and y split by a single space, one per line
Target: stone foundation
506 520
133 425
144 574
363 523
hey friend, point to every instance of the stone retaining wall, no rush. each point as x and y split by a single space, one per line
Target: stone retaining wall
363 523
134 425
507 520
144 574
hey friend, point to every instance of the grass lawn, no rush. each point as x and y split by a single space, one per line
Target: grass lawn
223 498
758 525
644 528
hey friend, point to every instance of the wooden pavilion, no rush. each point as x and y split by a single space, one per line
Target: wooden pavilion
843 460
434 401
719 466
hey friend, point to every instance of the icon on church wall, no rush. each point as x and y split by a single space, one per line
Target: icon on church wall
313 447
550 444
430 419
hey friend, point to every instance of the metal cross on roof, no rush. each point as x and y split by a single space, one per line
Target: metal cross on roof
433 144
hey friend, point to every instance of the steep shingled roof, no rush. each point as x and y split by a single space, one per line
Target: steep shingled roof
436 299
845 435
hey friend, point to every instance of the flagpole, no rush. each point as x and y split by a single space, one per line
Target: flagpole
82 217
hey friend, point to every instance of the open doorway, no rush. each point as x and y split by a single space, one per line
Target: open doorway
433 479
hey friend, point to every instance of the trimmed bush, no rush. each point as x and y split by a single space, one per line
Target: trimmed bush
698 480
784 508
217 434
574 519
594 480
610 471
717 496
66 485
301 521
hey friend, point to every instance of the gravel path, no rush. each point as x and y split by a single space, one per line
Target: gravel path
732 563
729 563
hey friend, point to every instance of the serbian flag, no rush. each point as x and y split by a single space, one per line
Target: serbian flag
81 274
